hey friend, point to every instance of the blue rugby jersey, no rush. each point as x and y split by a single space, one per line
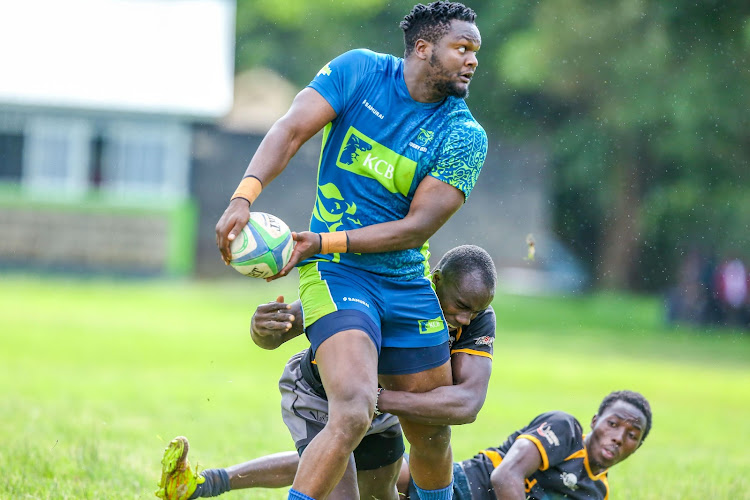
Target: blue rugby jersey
380 147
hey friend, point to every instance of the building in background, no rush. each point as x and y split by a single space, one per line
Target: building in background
98 100
124 131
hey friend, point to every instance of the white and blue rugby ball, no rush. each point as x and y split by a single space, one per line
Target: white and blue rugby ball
263 247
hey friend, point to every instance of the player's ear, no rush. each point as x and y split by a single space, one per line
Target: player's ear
437 277
422 49
593 421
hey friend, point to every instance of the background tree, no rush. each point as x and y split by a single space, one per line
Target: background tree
642 106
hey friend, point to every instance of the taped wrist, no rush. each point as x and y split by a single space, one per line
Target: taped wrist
336 242
249 189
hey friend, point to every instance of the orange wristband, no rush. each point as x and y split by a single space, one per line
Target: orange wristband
336 242
249 189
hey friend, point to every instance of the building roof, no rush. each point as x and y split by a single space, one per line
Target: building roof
261 96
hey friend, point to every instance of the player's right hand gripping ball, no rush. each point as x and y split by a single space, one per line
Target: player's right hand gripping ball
263 247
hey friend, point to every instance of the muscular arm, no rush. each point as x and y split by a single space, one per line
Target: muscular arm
308 114
274 323
433 204
448 405
521 461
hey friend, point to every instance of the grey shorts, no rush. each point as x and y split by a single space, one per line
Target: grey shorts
305 413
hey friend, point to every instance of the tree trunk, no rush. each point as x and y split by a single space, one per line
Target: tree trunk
621 236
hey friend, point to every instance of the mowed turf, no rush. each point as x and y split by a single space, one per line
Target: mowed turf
97 376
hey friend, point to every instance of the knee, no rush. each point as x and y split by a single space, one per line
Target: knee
350 421
437 437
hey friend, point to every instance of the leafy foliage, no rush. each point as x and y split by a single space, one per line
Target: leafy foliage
642 105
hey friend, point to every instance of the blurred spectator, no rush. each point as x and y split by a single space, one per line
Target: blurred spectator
692 300
732 287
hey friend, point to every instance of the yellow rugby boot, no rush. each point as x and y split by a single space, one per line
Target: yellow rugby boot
178 481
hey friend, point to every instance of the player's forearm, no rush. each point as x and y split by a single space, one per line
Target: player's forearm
508 483
449 405
509 489
274 152
272 471
389 236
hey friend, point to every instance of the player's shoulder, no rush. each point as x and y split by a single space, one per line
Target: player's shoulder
460 125
483 324
364 60
458 114
559 420
487 315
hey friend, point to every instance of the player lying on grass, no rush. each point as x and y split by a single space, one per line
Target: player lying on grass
551 458
547 459
464 281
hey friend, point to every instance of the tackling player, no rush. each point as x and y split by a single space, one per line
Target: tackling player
401 154
551 457
548 458
465 280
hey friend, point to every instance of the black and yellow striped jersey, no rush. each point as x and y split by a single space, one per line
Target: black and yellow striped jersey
565 470
478 337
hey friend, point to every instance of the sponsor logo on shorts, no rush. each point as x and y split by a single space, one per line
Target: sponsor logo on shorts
486 340
547 433
319 416
431 325
353 299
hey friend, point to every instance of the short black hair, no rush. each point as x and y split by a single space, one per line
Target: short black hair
634 398
431 22
467 259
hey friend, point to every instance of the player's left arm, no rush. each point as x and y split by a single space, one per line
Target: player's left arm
433 204
509 478
448 405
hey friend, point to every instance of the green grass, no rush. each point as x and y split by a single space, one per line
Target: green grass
97 376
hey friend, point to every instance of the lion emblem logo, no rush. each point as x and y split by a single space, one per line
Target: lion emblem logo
354 146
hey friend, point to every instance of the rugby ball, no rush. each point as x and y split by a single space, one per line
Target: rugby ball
263 247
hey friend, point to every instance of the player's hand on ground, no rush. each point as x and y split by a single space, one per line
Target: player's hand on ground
306 245
230 224
272 318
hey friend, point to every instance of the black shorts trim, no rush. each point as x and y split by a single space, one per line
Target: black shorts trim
407 360
338 321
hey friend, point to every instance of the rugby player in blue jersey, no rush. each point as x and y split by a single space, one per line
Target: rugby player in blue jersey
465 279
401 153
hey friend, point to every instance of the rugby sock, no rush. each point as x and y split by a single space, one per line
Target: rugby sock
442 494
217 482
296 495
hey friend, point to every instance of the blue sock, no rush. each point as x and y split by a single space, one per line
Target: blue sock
442 494
296 495
217 482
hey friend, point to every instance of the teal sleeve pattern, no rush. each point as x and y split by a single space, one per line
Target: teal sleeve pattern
461 157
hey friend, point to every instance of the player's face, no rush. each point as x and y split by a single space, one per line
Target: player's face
461 299
454 60
615 435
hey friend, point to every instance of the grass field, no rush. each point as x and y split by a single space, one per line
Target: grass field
97 376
